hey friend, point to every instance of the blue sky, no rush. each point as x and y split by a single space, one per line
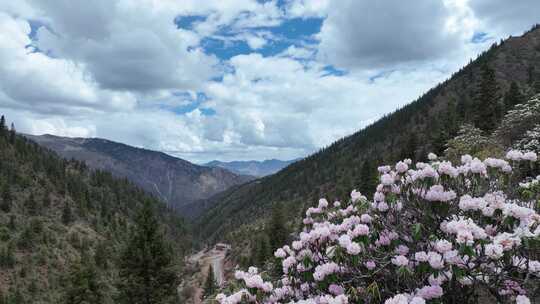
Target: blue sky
234 79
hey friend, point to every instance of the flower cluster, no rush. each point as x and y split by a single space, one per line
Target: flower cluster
432 232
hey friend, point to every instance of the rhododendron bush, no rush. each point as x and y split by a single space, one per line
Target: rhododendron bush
433 232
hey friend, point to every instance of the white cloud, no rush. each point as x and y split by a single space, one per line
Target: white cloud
382 34
264 102
119 69
124 46
504 18
33 81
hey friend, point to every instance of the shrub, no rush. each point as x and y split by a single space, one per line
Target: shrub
435 233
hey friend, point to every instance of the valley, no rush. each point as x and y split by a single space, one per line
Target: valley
175 181
270 152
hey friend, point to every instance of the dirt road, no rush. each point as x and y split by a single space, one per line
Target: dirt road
214 257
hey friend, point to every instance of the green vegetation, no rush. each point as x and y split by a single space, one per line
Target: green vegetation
147 271
63 227
210 285
479 95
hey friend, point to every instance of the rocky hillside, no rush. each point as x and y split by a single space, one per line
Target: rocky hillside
173 180
253 167
56 214
480 93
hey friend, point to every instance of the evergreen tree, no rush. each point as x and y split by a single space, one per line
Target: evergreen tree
277 230
146 265
12 225
16 297
210 285
368 174
6 199
47 200
487 107
31 205
12 134
410 147
83 285
66 214
262 250
2 125
513 96
536 84
101 256
7 256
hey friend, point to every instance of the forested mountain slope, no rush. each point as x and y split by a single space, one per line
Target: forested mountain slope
175 181
56 214
480 94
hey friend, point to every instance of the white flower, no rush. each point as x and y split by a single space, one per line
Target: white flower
522 300
465 159
494 251
323 203
421 256
398 299
353 248
402 167
280 253
514 155
387 179
400 260
530 156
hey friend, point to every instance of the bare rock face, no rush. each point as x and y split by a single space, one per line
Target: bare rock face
176 181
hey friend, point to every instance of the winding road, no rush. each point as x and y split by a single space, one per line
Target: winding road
206 258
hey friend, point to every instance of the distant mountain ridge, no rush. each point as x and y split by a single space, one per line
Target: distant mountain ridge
253 167
174 180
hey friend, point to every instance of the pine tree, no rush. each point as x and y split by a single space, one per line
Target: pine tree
410 147
31 205
12 134
7 256
101 256
146 273
487 107
262 250
513 96
6 199
277 230
66 214
368 174
16 297
2 125
210 285
12 225
83 285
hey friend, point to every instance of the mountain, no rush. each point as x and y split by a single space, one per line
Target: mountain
252 167
175 181
479 93
57 214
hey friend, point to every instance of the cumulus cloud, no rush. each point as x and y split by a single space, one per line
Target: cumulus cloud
379 34
33 81
265 98
127 71
124 46
506 17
